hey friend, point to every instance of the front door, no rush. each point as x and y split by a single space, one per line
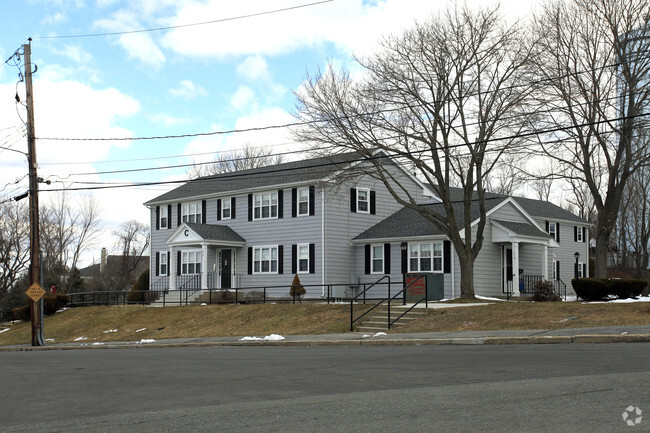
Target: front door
507 270
226 269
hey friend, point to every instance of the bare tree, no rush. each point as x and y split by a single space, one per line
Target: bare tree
506 177
14 243
133 241
593 68
246 158
633 226
441 97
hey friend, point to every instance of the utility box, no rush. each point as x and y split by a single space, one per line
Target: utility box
432 287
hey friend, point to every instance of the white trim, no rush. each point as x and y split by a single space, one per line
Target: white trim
162 254
367 201
431 258
167 218
373 258
196 240
298 246
277 258
423 238
223 207
198 211
511 236
302 188
322 234
270 205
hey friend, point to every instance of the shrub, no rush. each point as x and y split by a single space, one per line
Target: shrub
22 313
140 289
544 291
590 289
51 304
297 290
628 288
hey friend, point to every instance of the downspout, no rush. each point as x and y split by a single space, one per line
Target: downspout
322 243
453 271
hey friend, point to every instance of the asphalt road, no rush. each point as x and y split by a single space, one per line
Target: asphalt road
521 388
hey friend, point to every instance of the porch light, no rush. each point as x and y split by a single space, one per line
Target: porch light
403 246
576 255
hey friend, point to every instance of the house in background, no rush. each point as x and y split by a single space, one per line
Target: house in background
259 227
115 272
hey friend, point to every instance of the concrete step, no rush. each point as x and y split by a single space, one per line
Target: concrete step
378 320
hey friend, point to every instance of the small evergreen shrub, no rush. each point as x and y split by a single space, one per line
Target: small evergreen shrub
297 290
140 290
544 291
590 289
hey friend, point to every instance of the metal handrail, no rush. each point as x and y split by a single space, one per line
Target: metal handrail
352 319
425 298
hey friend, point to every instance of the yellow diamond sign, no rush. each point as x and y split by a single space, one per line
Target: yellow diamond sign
35 292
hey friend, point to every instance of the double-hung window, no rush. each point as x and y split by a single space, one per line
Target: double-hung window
265 260
164 217
580 269
303 258
303 201
425 257
377 259
226 209
192 212
162 266
265 205
191 262
363 200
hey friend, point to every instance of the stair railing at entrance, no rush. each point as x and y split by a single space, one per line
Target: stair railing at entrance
403 291
363 293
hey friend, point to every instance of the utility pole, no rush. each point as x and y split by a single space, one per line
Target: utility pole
36 307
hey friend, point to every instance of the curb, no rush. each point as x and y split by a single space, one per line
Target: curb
557 339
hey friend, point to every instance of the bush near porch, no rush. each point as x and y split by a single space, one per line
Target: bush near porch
600 289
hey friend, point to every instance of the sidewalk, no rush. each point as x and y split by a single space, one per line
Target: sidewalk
611 334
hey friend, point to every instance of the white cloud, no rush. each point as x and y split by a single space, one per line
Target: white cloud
254 68
243 98
54 19
170 119
187 89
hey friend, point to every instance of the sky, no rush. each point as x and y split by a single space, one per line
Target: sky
212 66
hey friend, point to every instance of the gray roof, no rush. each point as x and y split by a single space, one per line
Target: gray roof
523 229
280 174
408 222
215 232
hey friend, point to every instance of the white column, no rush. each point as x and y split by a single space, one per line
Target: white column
204 266
545 262
515 268
172 268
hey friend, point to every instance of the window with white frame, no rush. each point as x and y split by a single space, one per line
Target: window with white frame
377 259
164 217
303 258
265 260
191 212
425 257
363 200
265 205
226 208
303 201
191 262
580 268
579 234
162 266
551 230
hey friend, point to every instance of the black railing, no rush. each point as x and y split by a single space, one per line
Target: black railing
527 283
189 281
362 295
425 298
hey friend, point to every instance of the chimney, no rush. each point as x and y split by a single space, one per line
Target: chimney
102 262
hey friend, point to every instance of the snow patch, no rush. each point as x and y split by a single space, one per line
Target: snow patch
110 330
272 337
487 298
145 341
4 330
81 338
140 330
61 310
98 344
204 303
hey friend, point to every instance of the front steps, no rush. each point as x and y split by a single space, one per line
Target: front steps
378 321
173 299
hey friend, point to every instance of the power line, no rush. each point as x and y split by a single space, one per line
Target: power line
156 29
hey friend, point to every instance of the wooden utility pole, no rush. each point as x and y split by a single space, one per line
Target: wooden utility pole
36 307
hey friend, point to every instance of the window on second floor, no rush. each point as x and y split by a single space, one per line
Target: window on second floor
164 217
363 200
191 212
303 201
226 207
265 205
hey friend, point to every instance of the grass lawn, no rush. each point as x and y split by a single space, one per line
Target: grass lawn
134 323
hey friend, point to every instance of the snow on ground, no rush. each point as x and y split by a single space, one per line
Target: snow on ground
61 310
140 330
81 338
272 337
378 334
110 330
487 298
4 330
145 340
98 344
622 301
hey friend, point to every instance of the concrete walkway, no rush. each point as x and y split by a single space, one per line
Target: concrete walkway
612 334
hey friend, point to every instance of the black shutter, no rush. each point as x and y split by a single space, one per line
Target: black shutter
280 202
373 209
250 207
557 231
178 216
405 267
367 256
353 199
294 259
557 270
204 211
584 271
294 202
446 256
169 216
546 226
178 262
233 206
312 203
157 263
218 209
157 218
250 260
386 258
584 234
575 233
280 259
312 258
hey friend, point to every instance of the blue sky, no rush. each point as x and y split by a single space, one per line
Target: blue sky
222 76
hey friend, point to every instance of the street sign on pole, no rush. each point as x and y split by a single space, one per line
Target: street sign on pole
35 292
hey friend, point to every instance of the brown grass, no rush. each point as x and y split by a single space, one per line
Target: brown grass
531 315
285 319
